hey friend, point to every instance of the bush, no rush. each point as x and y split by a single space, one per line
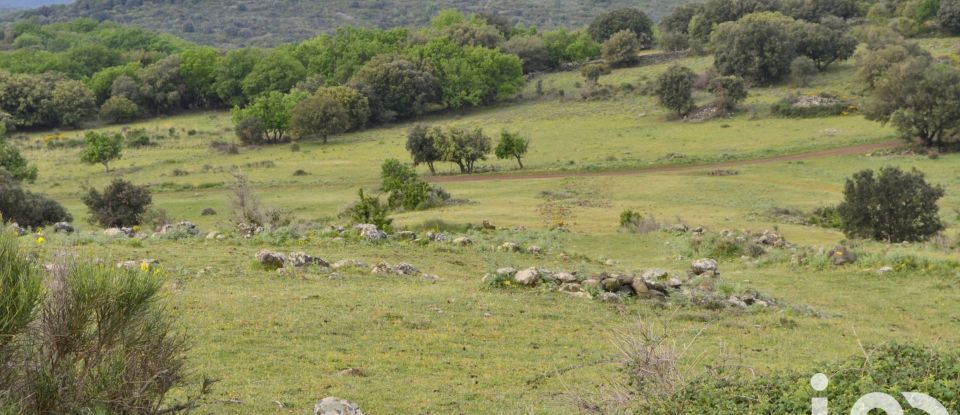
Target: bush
604 26
100 343
121 204
893 206
369 210
406 189
13 162
621 49
823 105
949 16
28 209
728 245
634 222
118 109
251 130
136 138
729 90
758 47
674 89
802 70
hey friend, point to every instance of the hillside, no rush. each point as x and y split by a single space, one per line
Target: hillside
231 23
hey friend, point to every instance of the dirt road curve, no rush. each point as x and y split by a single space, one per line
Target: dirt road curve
842 151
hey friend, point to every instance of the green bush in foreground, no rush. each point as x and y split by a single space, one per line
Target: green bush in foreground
893 206
890 369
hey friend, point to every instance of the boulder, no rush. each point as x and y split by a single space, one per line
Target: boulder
842 256
674 283
610 284
591 283
733 301
344 263
534 250
271 259
654 274
771 239
529 276
488 226
463 241
436 236
570 287
609 297
885 270
639 286
565 277
404 268
248 230
301 259
381 268
118 232
188 227
137 265
370 232
406 235
335 406
64 227
509 247
703 265
505 271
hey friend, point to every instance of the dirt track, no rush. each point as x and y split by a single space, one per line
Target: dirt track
841 151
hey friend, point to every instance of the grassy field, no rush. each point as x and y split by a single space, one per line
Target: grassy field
456 346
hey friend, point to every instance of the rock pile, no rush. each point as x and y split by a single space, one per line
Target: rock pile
370 232
119 232
335 406
402 268
271 259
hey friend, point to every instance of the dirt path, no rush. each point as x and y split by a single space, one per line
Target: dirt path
834 152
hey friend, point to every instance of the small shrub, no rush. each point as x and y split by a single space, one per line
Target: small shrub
154 218
802 70
121 204
295 147
300 172
136 138
179 173
369 209
634 222
407 190
724 245
25 208
208 212
251 130
224 147
822 105
893 206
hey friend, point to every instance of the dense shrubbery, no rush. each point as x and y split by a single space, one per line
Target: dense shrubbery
92 339
406 190
26 208
822 105
893 206
120 204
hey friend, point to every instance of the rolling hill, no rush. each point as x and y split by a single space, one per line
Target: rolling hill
232 23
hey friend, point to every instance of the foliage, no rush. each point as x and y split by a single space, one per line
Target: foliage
102 148
759 47
406 189
532 50
15 164
729 91
635 222
472 34
512 145
593 71
471 75
274 109
251 130
674 89
45 100
564 47
604 26
278 72
873 63
464 147
118 109
26 208
890 368
21 294
121 204
787 107
802 70
921 99
724 245
73 102
101 343
396 88
893 206
422 145
621 49
949 16
320 115
369 210
355 104
822 44
339 56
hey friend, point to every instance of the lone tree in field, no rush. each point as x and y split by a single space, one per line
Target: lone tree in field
593 71
464 147
674 88
894 206
422 145
321 116
102 149
512 145
121 204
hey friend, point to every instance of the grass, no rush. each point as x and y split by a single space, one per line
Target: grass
456 346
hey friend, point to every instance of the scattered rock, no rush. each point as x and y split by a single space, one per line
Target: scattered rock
436 236
842 256
16 228
565 277
654 274
345 263
248 230
370 232
534 250
639 286
215 235
704 265
138 265
570 287
529 276
884 270
610 262
404 268
351 371
381 268
271 259
610 284
463 241
430 277
488 226
591 283
733 301
506 271
64 227
119 232
580 294
609 297
509 247
301 259
406 235
208 212
771 239
335 406
674 283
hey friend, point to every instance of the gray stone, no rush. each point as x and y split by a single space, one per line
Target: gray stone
381 268
529 276
609 297
591 283
335 406
654 274
118 232
639 286
506 271
345 263
64 227
733 301
271 259
674 283
301 259
570 287
404 268
430 277
610 284
884 270
463 241
534 250
565 277
579 294
703 265
406 235
370 232
842 256
509 247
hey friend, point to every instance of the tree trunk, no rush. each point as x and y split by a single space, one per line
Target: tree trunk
432 170
519 162
106 166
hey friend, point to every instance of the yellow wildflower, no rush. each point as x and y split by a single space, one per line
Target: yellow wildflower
144 267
